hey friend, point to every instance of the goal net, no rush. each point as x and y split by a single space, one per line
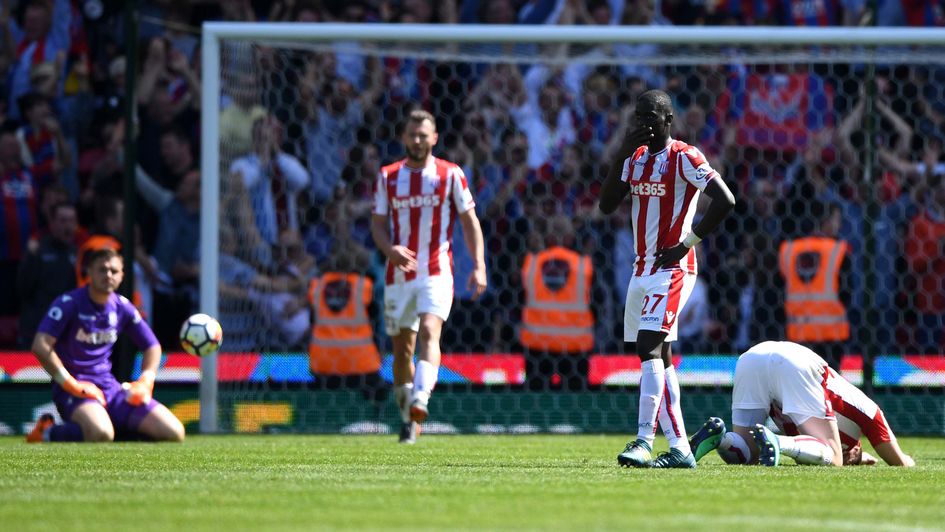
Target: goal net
835 133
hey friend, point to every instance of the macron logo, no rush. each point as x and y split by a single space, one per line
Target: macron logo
409 202
670 315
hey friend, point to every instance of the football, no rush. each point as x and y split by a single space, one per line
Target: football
201 335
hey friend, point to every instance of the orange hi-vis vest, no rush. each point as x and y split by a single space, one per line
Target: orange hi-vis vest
342 340
813 307
557 320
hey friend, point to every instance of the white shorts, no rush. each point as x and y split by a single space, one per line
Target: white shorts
783 373
405 302
654 302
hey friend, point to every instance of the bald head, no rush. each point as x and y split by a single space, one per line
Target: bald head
658 100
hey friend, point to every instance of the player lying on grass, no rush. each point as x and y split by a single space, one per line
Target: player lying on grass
74 345
821 414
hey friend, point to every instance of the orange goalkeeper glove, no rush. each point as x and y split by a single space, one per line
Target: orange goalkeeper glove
140 391
83 389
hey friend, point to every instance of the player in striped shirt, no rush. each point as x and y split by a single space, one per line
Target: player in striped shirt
664 178
821 415
416 202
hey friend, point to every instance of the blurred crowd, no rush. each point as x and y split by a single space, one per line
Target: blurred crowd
305 130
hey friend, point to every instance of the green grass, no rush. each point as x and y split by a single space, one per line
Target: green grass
226 483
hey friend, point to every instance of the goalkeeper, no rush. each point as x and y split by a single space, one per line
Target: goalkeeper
74 342
821 414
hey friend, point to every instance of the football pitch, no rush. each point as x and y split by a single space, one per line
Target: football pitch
279 482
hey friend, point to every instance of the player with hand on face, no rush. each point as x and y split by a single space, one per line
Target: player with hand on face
74 343
821 414
664 178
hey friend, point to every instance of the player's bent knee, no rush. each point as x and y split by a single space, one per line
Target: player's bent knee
98 434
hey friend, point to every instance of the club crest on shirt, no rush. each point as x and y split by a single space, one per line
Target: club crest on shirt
112 319
664 164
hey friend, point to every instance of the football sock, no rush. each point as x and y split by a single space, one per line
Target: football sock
734 449
425 379
66 432
670 414
402 398
806 450
652 382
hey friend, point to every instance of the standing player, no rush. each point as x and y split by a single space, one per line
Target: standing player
821 413
416 202
74 342
664 178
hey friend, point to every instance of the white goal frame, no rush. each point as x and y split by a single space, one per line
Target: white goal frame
215 32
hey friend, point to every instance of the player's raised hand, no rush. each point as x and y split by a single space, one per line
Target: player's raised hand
403 258
84 389
477 282
637 137
671 255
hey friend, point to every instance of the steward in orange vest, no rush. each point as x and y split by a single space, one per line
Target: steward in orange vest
557 316
342 340
815 289
557 329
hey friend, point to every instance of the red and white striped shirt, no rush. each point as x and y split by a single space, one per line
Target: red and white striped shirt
857 415
664 190
423 204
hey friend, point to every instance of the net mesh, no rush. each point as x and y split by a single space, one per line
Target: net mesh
795 132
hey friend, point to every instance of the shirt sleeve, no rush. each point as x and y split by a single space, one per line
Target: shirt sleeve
695 169
134 324
462 196
249 171
625 173
380 194
294 172
57 318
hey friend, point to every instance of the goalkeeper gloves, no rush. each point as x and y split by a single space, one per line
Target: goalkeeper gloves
139 392
83 389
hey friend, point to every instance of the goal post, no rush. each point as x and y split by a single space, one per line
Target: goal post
690 46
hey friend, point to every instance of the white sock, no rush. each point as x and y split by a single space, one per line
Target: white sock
425 378
402 398
734 449
670 414
652 382
806 450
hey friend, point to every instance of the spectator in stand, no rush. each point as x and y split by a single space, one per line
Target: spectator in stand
256 309
19 214
335 112
540 107
51 197
815 12
42 143
240 112
176 251
273 180
358 176
41 34
925 256
168 93
47 271
909 13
